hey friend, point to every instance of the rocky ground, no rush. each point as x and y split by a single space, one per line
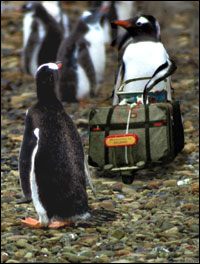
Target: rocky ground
157 215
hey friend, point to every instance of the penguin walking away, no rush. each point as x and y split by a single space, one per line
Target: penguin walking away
141 54
52 162
42 36
83 58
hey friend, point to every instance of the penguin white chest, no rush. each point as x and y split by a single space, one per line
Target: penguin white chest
27 21
96 49
34 188
141 59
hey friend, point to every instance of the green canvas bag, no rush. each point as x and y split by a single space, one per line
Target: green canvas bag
128 138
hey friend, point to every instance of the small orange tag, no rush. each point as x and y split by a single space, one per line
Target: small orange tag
121 140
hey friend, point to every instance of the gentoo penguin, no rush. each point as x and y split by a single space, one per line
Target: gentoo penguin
118 10
52 161
54 8
143 55
83 58
42 37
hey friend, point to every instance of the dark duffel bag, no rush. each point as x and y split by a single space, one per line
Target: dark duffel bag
135 137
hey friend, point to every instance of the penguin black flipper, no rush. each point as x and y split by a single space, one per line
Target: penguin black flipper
162 72
85 61
28 144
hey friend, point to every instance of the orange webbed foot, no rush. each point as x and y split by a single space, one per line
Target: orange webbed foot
58 224
31 222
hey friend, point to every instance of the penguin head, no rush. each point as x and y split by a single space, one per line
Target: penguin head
94 15
34 7
30 6
46 77
141 27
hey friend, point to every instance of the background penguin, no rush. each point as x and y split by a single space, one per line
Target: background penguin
141 54
118 10
54 8
42 36
52 157
83 58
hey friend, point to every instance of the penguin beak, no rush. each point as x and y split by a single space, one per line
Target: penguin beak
59 64
104 8
122 23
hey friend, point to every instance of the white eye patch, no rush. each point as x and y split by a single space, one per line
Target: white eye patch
86 13
142 20
50 65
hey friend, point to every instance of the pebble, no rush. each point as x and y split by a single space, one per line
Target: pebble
88 240
170 183
73 257
157 219
117 233
154 184
28 255
189 147
195 187
171 230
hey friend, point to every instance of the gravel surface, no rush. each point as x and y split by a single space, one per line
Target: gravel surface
157 215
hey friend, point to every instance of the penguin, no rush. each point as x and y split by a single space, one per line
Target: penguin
52 161
83 57
118 10
142 54
54 8
42 37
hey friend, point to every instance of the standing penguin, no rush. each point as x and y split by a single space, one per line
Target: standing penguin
54 8
83 58
141 54
52 161
42 36
118 10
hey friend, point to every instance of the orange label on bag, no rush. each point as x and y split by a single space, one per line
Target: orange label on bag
121 140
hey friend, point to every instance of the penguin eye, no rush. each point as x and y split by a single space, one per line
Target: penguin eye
139 24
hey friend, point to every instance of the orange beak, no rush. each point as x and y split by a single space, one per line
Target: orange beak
59 64
122 23
104 8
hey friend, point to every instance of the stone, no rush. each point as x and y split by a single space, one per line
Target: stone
189 147
88 240
28 255
170 183
154 184
117 233
195 187
123 251
171 230
187 124
73 257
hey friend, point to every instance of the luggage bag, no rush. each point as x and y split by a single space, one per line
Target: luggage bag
126 138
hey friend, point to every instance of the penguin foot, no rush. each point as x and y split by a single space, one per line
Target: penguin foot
31 222
58 224
36 224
